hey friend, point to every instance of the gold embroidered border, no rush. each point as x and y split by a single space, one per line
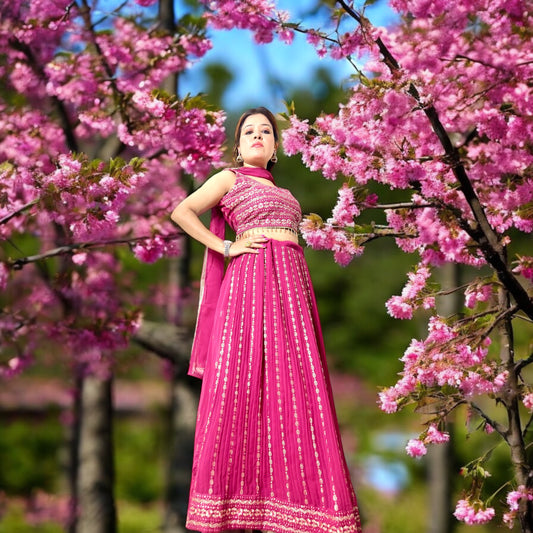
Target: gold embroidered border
207 513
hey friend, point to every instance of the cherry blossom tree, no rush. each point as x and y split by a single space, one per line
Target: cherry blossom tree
441 113
92 152
82 82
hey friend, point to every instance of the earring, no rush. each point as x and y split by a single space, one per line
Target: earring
239 158
274 158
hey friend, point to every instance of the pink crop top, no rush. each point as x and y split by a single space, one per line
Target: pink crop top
251 204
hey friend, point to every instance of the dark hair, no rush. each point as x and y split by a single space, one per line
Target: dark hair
254 111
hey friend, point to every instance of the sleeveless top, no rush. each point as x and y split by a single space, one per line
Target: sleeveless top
251 204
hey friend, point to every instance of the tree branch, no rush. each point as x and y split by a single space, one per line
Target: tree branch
500 428
523 363
401 205
17 264
18 211
167 341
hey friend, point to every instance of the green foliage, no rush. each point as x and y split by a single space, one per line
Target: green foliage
29 455
139 457
134 518
193 24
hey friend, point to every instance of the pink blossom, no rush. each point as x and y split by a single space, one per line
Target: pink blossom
509 518
316 235
527 400
416 448
477 293
397 307
152 105
475 513
349 43
488 429
343 257
346 209
149 250
16 365
429 302
388 400
525 267
513 499
260 16
435 436
501 379
79 258
344 248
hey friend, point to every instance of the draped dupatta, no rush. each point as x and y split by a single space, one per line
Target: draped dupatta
211 281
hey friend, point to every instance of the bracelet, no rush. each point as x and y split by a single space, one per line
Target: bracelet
227 245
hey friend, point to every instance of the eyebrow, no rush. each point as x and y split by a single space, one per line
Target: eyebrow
252 125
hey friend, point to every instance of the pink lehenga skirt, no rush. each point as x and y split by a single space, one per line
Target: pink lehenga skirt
268 454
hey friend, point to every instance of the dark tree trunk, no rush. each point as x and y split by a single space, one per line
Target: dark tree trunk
97 513
185 394
515 439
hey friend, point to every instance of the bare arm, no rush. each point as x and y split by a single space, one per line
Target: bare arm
187 213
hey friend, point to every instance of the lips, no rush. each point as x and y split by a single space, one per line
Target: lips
257 145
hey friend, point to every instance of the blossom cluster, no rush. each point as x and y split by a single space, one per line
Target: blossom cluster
76 84
322 235
524 267
473 513
259 16
192 137
514 499
417 447
444 359
413 295
339 232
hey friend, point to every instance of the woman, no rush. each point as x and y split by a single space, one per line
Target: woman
268 455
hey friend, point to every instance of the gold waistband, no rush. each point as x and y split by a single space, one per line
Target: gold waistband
256 231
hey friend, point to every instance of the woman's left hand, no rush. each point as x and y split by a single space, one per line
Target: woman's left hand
249 245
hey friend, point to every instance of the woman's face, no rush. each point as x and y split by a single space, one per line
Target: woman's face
257 143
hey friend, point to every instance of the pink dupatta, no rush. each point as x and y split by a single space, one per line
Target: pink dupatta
211 280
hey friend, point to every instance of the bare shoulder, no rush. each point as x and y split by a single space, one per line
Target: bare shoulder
222 180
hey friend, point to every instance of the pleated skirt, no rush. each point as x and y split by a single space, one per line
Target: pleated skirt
268 454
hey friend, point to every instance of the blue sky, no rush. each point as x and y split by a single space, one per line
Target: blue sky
254 65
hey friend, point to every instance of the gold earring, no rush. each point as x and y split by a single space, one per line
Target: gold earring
239 158
274 158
